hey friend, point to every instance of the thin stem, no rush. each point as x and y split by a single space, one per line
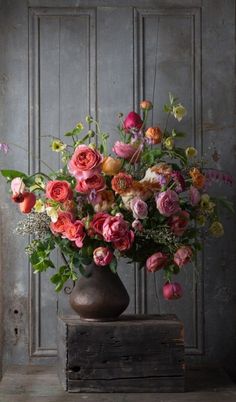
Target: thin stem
32 154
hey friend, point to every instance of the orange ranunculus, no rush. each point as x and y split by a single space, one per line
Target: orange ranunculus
111 166
121 183
198 178
154 134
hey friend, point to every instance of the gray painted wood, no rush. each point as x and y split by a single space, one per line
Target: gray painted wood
195 58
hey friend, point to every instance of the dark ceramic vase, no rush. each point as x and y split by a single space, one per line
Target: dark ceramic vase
99 297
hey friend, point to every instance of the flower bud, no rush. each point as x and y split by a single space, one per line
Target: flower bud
191 152
88 119
172 291
146 105
169 143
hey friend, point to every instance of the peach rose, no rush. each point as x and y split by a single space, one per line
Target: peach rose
84 161
59 190
111 166
146 105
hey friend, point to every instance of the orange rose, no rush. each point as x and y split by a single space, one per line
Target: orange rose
198 178
154 134
111 166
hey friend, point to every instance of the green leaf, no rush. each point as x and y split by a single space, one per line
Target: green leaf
178 134
11 174
113 265
167 108
226 204
68 134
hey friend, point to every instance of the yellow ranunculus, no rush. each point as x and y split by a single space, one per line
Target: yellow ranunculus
191 152
58 146
179 111
39 206
169 143
206 204
216 229
111 166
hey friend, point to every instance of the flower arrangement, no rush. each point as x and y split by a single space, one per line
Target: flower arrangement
147 201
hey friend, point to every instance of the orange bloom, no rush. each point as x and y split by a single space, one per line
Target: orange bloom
121 183
154 134
198 178
105 202
146 105
111 166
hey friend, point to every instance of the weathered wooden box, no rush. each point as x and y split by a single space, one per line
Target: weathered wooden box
134 354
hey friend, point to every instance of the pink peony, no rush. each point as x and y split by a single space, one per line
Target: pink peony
125 151
94 182
59 190
102 256
132 120
114 229
139 208
194 196
156 261
183 255
125 243
84 162
172 291
98 221
179 223
75 232
17 186
167 202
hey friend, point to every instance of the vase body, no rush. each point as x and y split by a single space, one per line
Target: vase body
99 297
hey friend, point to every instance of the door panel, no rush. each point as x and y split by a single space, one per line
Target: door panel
100 59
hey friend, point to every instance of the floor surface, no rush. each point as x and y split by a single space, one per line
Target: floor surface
40 384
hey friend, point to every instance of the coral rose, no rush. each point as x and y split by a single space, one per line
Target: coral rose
179 223
84 161
97 222
111 166
114 228
121 183
132 121
125 243
139 208
167 202
102 256
154 134
75 232
156 261
59 190
183 256
198 178
94 182
63 220
172 291
126 151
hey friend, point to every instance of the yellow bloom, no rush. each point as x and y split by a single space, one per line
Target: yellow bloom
216 229
39 206
111 166
206 204
169 143
58 146
179 111
201 220
52 213
191 152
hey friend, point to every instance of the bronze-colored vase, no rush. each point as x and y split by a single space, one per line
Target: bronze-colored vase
99 297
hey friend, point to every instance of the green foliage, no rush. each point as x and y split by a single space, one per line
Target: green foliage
12 174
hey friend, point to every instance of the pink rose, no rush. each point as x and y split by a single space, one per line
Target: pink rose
125 151
59 190
17 186
102 256
139 208
172 291
125 243
84 161
132 120
63 220
156 261
137 225
94 182
183 255
178 223
167 202
114 228
194 196
75 232
97 222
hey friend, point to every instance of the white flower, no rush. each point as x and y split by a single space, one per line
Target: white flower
52 213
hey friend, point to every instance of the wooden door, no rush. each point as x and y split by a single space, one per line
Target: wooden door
62 60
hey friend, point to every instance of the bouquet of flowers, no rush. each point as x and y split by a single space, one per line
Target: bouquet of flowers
146 201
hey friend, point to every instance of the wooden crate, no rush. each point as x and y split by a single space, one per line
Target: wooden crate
134 354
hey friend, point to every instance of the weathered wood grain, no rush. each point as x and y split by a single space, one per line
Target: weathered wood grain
135 353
